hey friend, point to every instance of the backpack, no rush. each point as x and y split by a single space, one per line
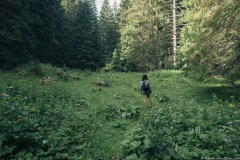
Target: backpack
145 86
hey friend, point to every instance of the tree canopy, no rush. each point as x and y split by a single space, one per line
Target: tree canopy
210 38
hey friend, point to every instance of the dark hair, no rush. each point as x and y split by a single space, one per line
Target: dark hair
144 77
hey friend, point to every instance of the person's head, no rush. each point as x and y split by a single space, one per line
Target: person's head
144 77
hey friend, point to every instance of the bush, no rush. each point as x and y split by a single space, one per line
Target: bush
35 68
37 122
188 132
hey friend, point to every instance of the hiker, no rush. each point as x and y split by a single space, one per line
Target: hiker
145 89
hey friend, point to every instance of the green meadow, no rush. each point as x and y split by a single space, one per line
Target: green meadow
74 114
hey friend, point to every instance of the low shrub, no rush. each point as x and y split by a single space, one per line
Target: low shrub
187 132
39 122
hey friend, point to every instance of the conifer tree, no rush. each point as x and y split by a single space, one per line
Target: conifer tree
84 44
59 37
108 29
146 36
43 28
31 29
210 38
70 7
17 40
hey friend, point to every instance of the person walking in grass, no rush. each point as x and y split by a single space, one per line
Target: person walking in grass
145 90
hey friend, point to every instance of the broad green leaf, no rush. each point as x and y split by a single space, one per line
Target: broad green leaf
135 144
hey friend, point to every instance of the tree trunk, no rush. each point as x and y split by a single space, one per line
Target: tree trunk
174 33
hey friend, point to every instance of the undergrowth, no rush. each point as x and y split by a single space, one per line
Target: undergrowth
73 114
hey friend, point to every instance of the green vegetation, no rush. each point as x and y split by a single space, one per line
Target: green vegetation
200 37
57 113
60 113
209 44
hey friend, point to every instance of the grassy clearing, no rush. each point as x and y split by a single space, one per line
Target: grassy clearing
86 115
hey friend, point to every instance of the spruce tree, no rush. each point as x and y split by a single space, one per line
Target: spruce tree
108 26
44 29
84 51
210 38
70 7
16 37
145 38
60 35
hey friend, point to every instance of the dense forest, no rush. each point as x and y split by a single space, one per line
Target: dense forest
69 85
201 37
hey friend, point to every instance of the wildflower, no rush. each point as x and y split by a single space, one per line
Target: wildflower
231 105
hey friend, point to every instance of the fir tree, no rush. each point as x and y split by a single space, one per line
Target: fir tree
16 37
210 38
108 29
84 46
